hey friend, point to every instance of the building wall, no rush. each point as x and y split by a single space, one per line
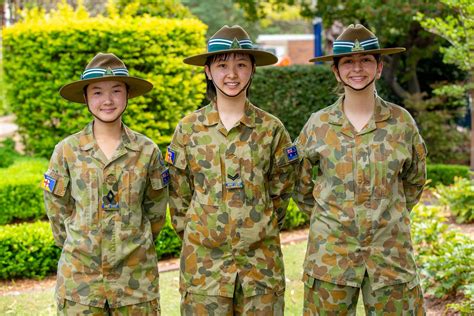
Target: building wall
300 51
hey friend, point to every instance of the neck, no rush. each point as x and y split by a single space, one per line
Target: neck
110 131
231 105
359 101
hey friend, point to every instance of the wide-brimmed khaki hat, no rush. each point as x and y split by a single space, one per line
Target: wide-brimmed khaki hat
232 39
357 39
104 67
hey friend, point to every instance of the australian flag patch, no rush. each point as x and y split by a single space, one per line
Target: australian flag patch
49 183
165 177
292 153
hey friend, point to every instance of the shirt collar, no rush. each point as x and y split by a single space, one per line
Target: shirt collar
87 140
211 115
381 112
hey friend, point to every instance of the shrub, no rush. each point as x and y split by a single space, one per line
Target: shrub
445 174
294 218
42 53
459 197
444 256
7 152
27 251
292 93
21 197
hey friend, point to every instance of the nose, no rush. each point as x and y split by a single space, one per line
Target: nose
357 65
232 72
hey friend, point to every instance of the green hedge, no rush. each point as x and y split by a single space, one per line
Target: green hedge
21 197
444 174
27 251
43 53
292 93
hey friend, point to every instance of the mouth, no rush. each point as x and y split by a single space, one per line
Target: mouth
108 110
231 84
357 78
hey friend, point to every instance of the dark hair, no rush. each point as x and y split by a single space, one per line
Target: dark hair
211 92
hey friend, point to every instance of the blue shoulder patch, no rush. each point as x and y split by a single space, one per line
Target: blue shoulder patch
49 183
292 153
170 156
165 177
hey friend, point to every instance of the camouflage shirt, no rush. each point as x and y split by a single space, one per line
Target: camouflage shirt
365 186
105 215
229 192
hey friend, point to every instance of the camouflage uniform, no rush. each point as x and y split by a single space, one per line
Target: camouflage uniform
105 215
360 201
229 192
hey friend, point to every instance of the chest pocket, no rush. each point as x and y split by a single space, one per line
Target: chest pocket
205 166
387 160
85 192
335 179
256 164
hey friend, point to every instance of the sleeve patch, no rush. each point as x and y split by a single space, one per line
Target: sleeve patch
49 183
292 153
165 177
420 151
170 156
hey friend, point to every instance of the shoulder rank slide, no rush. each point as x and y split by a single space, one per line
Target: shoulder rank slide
49 183
170 156
291 153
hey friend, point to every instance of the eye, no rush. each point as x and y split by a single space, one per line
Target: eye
366 60
97 93
242 65
347 61
221 65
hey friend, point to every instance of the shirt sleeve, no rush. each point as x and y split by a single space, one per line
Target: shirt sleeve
58 202
156 193
304 185
414 175
282 173
181 184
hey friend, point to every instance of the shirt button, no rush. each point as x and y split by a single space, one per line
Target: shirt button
111 179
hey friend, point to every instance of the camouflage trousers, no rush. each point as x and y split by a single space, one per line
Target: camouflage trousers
70 308
324 298
270 304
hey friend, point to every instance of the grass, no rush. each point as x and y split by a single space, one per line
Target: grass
41 302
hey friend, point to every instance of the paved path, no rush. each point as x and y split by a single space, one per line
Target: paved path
7 126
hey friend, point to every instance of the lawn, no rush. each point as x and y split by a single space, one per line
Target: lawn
41 303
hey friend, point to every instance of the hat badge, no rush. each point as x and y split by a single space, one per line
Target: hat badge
109 72
357 47
235 43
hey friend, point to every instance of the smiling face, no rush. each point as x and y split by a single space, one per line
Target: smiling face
358 71
107 100
230 74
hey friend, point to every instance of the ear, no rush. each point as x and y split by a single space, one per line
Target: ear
208 72
379 69
336 73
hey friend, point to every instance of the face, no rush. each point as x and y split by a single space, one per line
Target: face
107 100
358 71
231 75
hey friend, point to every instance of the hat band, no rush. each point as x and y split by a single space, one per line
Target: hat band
101 72
218 44
343 47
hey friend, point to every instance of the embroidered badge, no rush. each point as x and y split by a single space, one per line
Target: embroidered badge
233 177
170 156
49 183
235 44
292 153
165 177
110 202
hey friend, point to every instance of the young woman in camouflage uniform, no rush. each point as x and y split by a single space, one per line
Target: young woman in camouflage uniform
105 196
369 163
231 167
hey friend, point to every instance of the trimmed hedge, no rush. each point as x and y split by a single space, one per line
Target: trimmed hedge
27 251
292 93
43 53
21 197
445 174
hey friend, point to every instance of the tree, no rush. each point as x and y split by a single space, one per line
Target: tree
458 29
